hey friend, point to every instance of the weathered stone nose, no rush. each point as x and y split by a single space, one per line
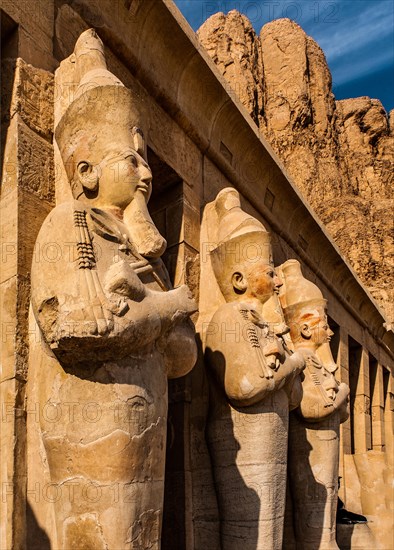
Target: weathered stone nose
145 174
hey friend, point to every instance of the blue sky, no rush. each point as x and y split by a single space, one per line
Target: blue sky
357 36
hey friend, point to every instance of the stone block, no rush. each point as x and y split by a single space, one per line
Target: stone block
35 164
12 469
214 180
8 301
7 442
15 297
32 98
35 31
346 437
183 265
8 235
378 438
33 212
10 161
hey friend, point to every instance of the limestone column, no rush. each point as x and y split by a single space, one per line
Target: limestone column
26 198
345 444
377 409
389 415
361 418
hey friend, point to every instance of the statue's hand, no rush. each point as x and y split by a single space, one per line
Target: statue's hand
122 280
297 360
343 394
273 346
187 304
342 402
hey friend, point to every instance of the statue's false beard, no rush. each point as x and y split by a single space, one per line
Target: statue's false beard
143 231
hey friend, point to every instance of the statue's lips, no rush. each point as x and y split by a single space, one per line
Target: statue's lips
143 187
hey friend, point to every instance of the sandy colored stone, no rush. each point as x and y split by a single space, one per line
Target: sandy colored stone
254 381
27 192
314 425
338 153
109 336
185 132
33 92
232 43
35 33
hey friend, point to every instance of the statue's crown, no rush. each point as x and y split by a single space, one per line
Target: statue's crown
101 108
297 292
240 239
240 236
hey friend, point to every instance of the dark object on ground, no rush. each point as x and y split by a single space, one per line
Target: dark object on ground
346 517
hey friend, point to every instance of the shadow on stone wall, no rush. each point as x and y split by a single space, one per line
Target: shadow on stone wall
37 538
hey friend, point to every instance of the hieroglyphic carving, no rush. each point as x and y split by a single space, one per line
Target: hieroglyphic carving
33 152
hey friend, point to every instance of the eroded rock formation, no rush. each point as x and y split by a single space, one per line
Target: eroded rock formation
339 151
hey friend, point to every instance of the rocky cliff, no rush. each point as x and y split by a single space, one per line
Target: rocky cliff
339 153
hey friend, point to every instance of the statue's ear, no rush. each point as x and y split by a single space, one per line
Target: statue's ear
239 282
88 175
305 331
139 142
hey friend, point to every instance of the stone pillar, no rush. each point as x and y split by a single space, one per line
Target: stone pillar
361 419
35 22
177 216
389 415
377 409
27 197
345 445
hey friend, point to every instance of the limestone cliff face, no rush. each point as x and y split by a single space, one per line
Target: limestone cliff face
231 42
339 153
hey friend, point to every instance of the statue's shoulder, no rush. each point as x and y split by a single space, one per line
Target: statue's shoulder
235 312
228 329
229 310
55 251
60 220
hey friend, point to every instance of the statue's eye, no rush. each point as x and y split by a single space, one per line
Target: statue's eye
132 158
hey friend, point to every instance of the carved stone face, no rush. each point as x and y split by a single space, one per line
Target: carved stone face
261 281
120 174
315 328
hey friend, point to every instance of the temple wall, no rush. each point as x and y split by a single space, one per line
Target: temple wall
200 140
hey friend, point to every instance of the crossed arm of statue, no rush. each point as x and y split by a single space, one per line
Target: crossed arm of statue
244 367
122 301
101 309
321 400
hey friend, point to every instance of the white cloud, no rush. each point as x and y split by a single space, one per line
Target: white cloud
356 32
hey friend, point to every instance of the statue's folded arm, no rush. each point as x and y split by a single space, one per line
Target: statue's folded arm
239 365
92 304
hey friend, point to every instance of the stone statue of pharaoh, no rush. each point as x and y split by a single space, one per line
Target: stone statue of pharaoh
111 329
314 425
253 379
